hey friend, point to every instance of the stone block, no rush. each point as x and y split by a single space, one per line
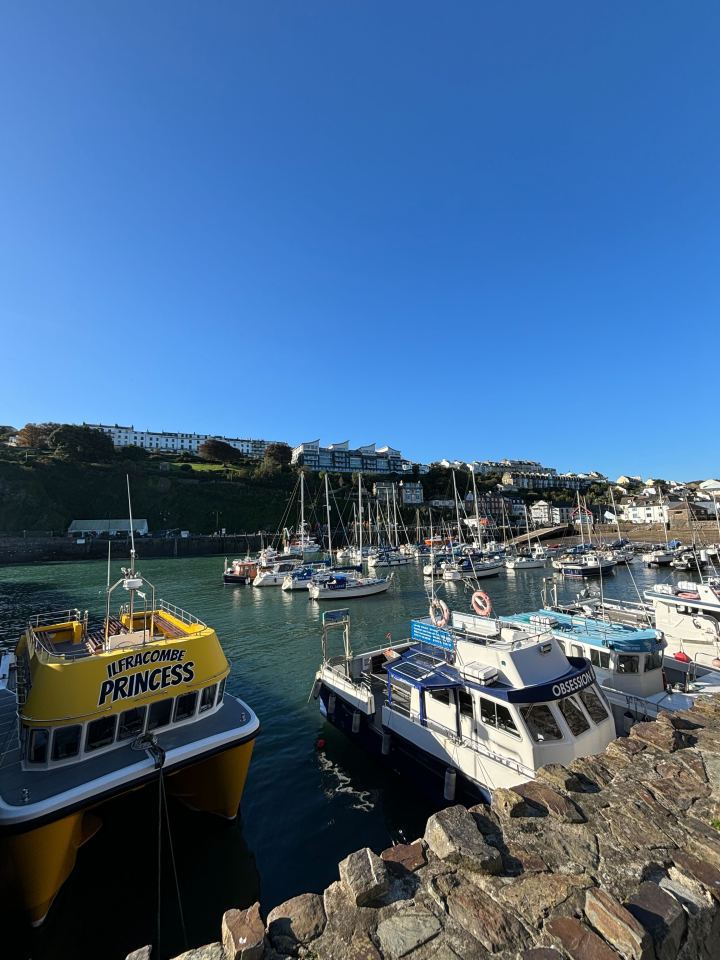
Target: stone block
297 921
535 896
662 916
410 856
243 934
507 803
578 941
549 799
494 927
558 776
654 733
452 835
618 926
701 872
405 931
211 951
541 953
364 875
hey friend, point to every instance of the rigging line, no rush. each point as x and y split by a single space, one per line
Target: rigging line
172 860
159 865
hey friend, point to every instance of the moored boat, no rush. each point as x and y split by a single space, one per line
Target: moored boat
94 709
342 587
239 571
478 703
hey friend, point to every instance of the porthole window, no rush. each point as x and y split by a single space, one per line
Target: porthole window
160 713
100 732
131 723
185 706
38 745
66 742
207 698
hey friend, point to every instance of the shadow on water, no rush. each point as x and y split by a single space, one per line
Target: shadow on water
109 905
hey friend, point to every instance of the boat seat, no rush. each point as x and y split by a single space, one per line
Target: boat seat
169 628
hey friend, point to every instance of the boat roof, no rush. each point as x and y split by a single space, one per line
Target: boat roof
419 668
597 633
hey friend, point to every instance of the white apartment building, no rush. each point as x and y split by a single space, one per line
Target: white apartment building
544 514
175 442
485 467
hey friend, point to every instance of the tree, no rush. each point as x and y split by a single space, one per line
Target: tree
6 432
133 452
279 453
220 451
36 435
69 442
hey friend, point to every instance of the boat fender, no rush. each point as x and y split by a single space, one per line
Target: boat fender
439 613
320 744
386 742
682 657
316 689
450 784
356 722
481 603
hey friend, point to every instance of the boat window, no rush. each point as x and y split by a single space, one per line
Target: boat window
540 722
159 714
595 658
653 661
605 659
442 695
221 691
577 650
66 742
100 732
627 663
207 698
185 705
131 723
593 704
561 644
496 715
38 745
466 703
574 717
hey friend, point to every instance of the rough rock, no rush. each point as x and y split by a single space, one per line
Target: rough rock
364 875
656 733
541 953
295 922
144 953
211 951
243 934
550 800
507 803
702 873
452 835
578 941
487 921
402 933
410 856
618 926
662 916
535 896
560 777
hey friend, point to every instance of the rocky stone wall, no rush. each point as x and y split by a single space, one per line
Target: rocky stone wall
617 855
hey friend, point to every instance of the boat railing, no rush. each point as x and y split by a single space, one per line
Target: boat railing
180 614
55 616
471 742
43 648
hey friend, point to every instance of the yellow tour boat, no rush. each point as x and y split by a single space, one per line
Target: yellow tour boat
91 710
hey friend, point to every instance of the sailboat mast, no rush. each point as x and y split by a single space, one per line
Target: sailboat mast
327 504
395 526
477 510
360 515
302 511
457 507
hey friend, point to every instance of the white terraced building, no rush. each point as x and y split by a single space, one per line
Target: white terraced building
175 442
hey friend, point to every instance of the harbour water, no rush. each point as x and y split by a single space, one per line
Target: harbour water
311 797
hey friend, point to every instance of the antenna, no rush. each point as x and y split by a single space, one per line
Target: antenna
132 532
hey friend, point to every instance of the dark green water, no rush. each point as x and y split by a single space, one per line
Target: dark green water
304 808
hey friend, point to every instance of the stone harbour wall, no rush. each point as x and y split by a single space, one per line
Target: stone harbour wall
617 855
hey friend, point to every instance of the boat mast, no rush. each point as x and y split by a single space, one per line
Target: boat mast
327 504
395 526
477 511
579 511
302 512
457 508
360 515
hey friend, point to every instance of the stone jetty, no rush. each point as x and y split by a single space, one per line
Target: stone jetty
617 855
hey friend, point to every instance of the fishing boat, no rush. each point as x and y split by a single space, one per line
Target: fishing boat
239 571
688 613
341 587
92 709
477 703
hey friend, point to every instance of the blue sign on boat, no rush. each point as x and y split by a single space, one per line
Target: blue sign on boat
429 633
336 616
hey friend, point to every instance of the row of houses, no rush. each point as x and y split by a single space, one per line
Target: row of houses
163 441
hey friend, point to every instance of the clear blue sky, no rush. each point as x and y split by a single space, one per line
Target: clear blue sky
469 229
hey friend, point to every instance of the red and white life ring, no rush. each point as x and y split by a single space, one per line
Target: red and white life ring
481 603
444 613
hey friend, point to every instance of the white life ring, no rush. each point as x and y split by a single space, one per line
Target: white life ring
481 603
442 620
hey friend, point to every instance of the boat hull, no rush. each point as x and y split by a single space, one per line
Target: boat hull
317 592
